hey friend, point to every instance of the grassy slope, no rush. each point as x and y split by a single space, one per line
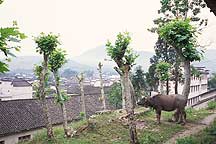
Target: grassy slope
207 136
108 129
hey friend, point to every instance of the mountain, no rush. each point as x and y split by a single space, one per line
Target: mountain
93 56
26 64
90 59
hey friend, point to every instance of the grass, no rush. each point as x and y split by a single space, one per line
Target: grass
207 136
211 105
108 129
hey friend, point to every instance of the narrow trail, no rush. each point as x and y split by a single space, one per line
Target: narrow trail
193 128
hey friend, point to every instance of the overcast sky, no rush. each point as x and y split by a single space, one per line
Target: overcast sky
86 24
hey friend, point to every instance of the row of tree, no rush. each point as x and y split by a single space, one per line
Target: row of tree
177 43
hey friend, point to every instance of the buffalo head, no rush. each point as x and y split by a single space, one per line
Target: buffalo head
144 102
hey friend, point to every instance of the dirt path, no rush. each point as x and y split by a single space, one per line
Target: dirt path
193 128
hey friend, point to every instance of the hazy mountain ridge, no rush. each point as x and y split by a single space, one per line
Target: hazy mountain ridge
90 59
27 63
93 56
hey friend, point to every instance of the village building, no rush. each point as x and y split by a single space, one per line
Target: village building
15 88
21 119
198 86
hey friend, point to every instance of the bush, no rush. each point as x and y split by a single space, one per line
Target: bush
150 138
186 140
212 105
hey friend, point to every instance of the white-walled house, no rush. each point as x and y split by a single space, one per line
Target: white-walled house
198 86
17 88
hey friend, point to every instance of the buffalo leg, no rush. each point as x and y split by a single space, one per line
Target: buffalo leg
176 115
158 113
182 116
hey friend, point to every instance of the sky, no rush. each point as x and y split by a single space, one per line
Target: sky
86 24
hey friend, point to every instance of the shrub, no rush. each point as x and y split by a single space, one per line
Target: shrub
212 105
186 140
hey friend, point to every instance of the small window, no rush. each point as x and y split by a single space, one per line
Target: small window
24 138
2 142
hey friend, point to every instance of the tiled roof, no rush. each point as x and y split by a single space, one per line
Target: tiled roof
75 89
17 82
212 5
22 115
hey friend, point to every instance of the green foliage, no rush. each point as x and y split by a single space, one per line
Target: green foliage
212 81
139 81
186 140
207 136
3 67
212 130
195 72
172 9
38 70
152 78
9 34
182 36
107 129
121 53
212 105
57 59
36 86
115 95
162 69
82 115
46 44
62 98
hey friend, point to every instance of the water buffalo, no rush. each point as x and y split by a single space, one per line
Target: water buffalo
161 102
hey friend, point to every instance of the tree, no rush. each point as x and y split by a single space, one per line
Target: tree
164 52
101 85
80 78
124 57
182 36
8 35
115 95
56 61
163 69
139 82
46 44
212 81
151 78
172 9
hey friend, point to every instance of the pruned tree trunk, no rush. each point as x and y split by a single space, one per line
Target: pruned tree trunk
48 121
176 74
42 93
187 80
63 107
68 131
123 93
176 79
101 86
132 91
82 98
167 87
162 87
129 107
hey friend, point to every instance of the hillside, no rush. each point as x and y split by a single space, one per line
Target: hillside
89 61
93 56
26 64
110 129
